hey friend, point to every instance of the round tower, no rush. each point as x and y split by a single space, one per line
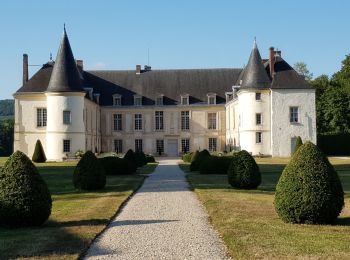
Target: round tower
254 106
65 131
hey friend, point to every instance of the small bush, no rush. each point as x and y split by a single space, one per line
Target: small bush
25 199
243 172
187 157
116 166
298 143
39 154
215 165
140 159
198 158
89 174
309 190
78 154
150 159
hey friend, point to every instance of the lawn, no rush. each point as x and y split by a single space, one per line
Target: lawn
247 222
77 217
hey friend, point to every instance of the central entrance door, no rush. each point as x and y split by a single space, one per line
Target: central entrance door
172 147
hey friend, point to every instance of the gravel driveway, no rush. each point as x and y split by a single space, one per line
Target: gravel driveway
163 220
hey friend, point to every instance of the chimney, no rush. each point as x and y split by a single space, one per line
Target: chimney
25 68
80 64
278 54
147 68
272 61
138 69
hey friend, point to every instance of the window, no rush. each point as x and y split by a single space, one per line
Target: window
160 146
212 144
185 100
258 119
211 98
159 120
117 122
66 146
137 101
66 117
118 145
138 122
258 137
185 145
212 121
138 145
159 101
185 120
41 117
293 115
257 96
117 100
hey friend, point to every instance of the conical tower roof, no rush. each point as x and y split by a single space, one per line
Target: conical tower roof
65 75
254 74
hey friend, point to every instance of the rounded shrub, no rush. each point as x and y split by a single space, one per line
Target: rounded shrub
198 158
89 173
150 158
215 165
298 143
243 172
116 166
309 190
39 154
187 157
25 199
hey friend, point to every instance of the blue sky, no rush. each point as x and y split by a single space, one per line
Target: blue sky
179 34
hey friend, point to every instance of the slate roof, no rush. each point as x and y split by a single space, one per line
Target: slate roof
65 76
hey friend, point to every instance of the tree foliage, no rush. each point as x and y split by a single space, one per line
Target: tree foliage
7 107
6 136
39 154
298 143
302 70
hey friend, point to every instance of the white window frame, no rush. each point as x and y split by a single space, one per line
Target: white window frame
258 137
185 100
41 117
258 116
211 99
159 100
138 145
117 122
66 143
138 122
212 122
294 115
159 120
117 100
212 144
67 117
137 100
185 120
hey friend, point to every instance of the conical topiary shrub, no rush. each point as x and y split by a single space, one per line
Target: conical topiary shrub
89 173
39 154
298 143
198 158
131 157
309 189
25 199
243 172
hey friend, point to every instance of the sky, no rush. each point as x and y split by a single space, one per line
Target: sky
117 35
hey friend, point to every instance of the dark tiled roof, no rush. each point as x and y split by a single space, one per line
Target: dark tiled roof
254 74
286 77
65 75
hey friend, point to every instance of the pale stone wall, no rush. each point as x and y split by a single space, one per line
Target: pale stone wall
282 130
92 122
198 134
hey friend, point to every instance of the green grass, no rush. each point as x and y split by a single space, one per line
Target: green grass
251 229
148 168
77 217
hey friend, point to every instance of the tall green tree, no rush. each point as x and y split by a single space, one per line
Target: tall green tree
6 137
342 77
302 70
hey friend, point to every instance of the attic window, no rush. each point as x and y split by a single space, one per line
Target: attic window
117 100
211 99
159 100
137 101
257 96
185 100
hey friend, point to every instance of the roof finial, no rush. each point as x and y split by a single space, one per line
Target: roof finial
64 27
50 56
254 45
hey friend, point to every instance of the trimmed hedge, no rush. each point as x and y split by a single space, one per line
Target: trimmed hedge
89 173
334 144
215 165
309 190
243 172
150 159
140 159
187 157
116 166
25 199
198 158
39 154
131 157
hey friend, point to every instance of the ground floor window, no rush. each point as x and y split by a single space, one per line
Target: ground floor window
118 145
212 144
258 137
160 146
66 146
185 145
138 145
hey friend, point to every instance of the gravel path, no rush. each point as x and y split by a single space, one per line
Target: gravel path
163 220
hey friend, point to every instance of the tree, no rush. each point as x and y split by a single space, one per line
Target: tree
39 154
309 189
6 136
342 77
302 70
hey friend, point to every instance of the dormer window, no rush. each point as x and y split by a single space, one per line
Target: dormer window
159 100
211 99
258 96
90 92
185 100
117 100
137 101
